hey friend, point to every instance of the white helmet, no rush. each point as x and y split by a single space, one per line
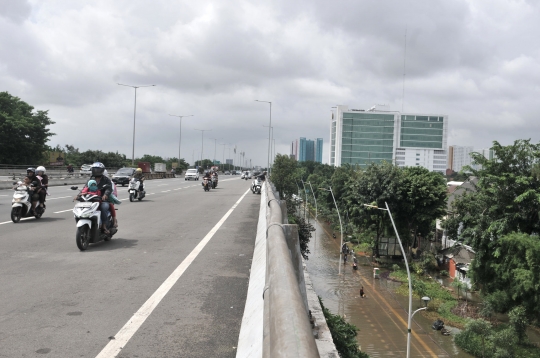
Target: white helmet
40 169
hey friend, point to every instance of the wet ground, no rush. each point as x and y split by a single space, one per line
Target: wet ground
382 315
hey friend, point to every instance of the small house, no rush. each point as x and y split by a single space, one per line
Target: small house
456 260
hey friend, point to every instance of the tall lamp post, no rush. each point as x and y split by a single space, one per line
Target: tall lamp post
305 202
340 226
215 149
134 114
425 299
202 142
223 163
269 135
180 133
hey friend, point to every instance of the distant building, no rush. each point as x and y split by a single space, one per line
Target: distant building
458 157
405 139
309 150
229 161
294 149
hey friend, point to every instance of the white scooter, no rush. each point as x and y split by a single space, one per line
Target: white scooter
256 186
134 192
88 219
21 204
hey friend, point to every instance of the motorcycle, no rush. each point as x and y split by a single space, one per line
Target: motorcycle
21 204
206 184
214 182
256 186
438 325
134 192
88 218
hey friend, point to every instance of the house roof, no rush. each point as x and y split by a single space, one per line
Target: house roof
455 191
462 254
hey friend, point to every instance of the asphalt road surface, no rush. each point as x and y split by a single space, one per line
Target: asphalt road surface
56 301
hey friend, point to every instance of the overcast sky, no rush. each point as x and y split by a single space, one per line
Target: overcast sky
476 61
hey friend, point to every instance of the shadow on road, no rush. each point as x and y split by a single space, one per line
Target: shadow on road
114 244
42 219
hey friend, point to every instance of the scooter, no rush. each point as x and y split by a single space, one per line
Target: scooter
88 218
256 186
214 182
134 192
206 184
21 204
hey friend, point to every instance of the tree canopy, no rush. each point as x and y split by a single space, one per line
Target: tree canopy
23 131
500 220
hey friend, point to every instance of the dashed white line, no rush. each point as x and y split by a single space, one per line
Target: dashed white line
113 348
62 211
7 222
62 197
165 191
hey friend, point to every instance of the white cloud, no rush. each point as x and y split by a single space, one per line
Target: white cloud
477 61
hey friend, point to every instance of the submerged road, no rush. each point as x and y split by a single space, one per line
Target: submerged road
171 283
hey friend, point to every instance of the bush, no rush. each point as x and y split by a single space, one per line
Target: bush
343 335
444 273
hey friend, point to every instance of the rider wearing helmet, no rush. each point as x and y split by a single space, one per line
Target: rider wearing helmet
40 172
104 185
138 175
31 174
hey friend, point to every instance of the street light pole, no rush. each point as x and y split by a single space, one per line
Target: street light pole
305 195
215 148
180 134
134 115
408 276
340 226
269 136
223 163
202 142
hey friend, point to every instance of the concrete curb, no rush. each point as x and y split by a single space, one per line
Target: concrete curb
250 340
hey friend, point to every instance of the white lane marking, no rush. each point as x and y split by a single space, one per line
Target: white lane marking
62 197
7 222
63 211
113 348
165 191
162 184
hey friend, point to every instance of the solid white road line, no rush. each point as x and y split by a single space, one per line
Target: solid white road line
63 211
113 348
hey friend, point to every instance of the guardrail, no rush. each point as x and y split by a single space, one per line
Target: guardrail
287 328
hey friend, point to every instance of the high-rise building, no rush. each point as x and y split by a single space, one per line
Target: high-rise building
309 150
405 139
294 149
458 157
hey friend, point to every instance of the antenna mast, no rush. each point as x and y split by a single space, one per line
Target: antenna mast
404 70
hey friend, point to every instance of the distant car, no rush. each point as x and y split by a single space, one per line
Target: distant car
227 173
123 175
86 169
191 174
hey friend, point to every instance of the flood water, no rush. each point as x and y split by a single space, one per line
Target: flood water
382 315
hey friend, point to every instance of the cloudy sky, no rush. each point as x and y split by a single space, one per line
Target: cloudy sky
477 61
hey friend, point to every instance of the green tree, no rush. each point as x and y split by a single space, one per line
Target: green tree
519 320
422 197
505 200
458 285
23 132
378 184
482 328
284 175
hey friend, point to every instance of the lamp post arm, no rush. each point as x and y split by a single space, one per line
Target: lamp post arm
418 310
410 282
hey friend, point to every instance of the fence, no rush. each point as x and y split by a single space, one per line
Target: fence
287 329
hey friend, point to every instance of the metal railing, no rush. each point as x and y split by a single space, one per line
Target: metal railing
287 328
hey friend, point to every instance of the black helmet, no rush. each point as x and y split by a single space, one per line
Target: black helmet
33 170
97 169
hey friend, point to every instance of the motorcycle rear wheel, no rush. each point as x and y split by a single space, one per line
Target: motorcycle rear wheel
131 197
82 237
16 214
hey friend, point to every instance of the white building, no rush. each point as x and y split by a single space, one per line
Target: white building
459 156
406 139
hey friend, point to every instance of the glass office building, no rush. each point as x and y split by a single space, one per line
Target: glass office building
309 150
361 137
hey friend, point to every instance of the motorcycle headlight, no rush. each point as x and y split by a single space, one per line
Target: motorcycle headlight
16 200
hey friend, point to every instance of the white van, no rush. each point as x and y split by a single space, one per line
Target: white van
191 174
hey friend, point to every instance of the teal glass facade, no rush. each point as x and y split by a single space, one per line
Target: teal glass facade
366 137
421 131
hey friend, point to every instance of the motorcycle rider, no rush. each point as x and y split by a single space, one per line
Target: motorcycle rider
138 175
31 173
40 171
208 177
104 185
